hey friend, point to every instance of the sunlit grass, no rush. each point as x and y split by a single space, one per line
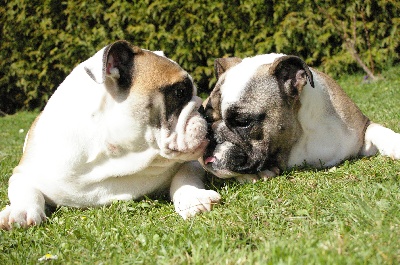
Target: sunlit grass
349 214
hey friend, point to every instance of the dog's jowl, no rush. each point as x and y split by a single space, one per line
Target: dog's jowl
272 112
123 124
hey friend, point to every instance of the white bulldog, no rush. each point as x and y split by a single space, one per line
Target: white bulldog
272 112
122 125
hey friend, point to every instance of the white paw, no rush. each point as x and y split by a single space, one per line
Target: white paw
383 139
392 152
247 178
263 175
389 144
12 216
189 201
269 174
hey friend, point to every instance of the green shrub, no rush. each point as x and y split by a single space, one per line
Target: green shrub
41 41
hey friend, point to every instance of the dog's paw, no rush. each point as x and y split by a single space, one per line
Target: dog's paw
247 178
263 175
393 150
269 174
190 201
382 139
12 216
389 145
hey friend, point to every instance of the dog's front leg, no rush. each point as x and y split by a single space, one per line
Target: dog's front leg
26 205
188 193
379 138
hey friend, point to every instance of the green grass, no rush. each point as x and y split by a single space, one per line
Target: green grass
349 214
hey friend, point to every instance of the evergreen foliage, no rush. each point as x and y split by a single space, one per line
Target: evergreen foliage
41 41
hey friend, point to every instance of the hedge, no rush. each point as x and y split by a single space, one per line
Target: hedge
41 41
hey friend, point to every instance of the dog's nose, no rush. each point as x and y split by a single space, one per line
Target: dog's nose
239 160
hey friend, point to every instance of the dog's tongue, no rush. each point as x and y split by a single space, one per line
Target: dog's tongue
209 159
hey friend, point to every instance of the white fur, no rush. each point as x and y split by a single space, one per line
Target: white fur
94 65
238 76
87 149
321 129
384 140
160 53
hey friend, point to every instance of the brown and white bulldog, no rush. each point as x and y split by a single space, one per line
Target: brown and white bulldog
272 112
123 124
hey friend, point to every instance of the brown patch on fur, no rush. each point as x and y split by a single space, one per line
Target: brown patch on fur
152 72
223 64
212 105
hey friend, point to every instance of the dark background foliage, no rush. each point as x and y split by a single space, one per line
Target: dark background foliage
41 41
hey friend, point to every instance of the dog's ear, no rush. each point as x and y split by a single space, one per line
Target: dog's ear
223 64
212 106
291 72
114 61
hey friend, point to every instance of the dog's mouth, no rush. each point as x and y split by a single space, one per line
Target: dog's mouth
227 160
210 159
212 164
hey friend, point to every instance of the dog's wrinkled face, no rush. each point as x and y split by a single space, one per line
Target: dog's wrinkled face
252 114
156 96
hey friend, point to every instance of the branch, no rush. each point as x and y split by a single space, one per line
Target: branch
350 44
2 113
354 53
368 41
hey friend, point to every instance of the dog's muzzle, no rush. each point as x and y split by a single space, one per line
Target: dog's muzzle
234 155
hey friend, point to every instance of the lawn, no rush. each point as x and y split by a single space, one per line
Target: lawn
349 214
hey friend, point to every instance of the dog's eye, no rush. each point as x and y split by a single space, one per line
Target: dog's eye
240 122
180 93
176 96
245 121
